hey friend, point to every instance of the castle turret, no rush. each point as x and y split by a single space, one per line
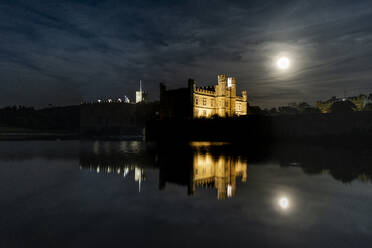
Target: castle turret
231 84
222 79
191 89
192 84
231 95
221 87
244 95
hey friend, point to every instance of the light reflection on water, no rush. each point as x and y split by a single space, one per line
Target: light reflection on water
218 172
137 195
207 170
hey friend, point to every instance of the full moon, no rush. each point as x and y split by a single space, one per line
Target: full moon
283 63
283 203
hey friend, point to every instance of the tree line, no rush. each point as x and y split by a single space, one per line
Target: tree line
51 118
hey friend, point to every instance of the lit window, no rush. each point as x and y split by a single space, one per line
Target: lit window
204 101
226 104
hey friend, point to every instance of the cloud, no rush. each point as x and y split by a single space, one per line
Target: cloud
103 48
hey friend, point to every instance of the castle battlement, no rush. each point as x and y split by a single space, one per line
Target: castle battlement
241 98
206 91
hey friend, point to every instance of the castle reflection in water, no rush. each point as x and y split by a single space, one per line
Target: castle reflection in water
195 167
218 166
219 172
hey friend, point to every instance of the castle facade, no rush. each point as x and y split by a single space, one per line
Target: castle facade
203 102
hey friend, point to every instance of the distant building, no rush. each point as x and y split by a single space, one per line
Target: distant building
359 101
141 95
196 102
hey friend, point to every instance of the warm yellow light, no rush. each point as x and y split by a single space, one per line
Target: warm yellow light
283 63
283 203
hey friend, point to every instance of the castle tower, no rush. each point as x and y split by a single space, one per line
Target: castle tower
244 95
231 96
192 84
231 84
221 87
191 88
220 95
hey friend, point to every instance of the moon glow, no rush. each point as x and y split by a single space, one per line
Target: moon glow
283 63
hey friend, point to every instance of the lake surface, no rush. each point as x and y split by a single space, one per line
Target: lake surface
133 194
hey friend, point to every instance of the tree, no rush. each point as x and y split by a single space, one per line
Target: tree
303 106
307 108
288 110
273 111
368 107
254 110
343 107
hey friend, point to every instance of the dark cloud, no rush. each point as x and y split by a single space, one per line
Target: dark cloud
63 51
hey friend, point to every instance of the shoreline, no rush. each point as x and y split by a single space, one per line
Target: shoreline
345 142
38 136
65 136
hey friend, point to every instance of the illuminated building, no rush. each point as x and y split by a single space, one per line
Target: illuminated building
196 102
141 95
196 169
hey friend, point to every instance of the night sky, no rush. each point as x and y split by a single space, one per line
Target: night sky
60 52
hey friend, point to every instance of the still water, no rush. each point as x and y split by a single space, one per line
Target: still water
133 194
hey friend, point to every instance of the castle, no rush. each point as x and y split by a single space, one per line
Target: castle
197 102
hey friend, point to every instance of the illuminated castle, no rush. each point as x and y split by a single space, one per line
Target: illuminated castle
195 102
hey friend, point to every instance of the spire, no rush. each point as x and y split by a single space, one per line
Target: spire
140 85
